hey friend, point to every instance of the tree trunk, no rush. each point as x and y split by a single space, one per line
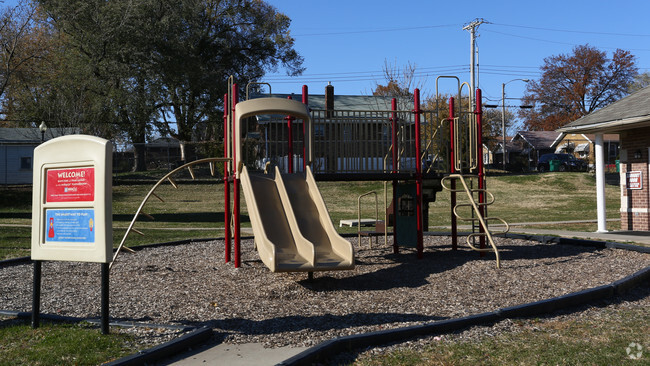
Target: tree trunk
139 162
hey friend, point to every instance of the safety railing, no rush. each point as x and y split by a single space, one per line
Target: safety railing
346 141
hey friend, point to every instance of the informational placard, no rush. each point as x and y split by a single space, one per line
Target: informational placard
634 180
71 185
74 226
72 200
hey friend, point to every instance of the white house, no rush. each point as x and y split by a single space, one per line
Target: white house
17 151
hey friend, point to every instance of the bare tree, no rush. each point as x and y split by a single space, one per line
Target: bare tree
400 84
17 43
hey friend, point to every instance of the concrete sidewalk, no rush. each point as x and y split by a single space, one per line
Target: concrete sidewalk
619 236
250 354
629 237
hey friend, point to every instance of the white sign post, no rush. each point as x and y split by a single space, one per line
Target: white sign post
72 208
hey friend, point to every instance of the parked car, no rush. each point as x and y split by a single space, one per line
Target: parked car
567 162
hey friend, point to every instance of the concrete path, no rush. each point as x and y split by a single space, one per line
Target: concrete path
251 354
638 237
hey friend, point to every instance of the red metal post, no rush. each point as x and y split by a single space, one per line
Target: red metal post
479 165
418 173
393 119
236 203
226 192
290 138
452 170
305 138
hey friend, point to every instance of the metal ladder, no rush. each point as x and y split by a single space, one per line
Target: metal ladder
476 217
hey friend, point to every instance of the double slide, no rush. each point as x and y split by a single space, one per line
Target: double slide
292 228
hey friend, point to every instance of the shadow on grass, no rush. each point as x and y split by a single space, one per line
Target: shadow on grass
187 217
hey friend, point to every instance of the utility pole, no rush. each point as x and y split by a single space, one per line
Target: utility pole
471 27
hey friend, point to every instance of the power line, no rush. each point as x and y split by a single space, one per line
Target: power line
557 42
381 30
573 31
362 75
357 73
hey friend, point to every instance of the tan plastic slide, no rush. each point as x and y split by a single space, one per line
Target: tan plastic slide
292 228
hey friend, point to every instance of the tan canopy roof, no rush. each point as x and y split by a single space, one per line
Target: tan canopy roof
630 112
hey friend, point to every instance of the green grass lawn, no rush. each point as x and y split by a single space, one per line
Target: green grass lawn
197 210
59 344
553 341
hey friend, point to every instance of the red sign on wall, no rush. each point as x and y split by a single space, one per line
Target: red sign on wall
634 180
70 185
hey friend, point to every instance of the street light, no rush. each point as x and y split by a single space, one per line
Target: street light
503 118
43 128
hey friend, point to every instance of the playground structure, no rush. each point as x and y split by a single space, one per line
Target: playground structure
419 151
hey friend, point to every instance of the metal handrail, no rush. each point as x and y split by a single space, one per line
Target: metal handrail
483 221
388 154
431 140
359 214
473 148
257 83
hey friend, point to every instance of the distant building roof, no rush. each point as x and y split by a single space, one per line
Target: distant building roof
538 139
630 112
608 137
164 142
511 147
33 135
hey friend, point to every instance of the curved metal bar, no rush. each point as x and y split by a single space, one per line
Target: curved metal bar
146 198
448 77
483 221
257 83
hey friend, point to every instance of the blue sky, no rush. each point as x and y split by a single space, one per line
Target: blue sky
348 42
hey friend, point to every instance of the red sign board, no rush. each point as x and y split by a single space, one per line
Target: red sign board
634 180
70 185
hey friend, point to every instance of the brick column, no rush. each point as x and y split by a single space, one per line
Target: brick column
635 203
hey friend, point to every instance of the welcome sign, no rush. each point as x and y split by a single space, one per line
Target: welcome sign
70 185
72 200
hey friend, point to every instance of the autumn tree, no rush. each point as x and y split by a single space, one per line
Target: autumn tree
574 85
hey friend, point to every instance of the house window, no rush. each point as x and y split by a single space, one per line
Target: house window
26 163
612 153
